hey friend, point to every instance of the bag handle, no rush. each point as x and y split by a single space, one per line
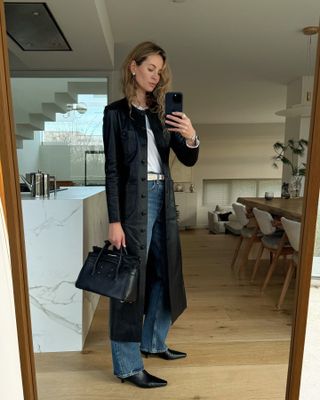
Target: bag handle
108 244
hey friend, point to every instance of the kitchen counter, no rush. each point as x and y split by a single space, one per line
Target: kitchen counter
59 233
67 193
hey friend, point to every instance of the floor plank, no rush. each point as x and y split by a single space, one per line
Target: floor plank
237 342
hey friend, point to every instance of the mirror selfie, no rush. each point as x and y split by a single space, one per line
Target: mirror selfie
162 153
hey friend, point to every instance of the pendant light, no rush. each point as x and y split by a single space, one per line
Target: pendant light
303 109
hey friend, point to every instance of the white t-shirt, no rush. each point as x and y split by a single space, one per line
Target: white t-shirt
154 159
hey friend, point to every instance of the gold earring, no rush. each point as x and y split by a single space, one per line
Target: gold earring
133 74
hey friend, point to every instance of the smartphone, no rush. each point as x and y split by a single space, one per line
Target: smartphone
173 102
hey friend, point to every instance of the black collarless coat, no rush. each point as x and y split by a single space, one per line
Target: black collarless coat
125 146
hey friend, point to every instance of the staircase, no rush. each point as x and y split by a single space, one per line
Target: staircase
37 100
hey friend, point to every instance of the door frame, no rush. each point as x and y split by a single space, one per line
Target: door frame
10 198
11 201
307 239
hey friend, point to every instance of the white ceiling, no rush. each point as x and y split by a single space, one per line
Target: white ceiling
231 58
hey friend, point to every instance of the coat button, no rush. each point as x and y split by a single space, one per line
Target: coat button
143 213
143 161
142 247
143 178
142 230
143 196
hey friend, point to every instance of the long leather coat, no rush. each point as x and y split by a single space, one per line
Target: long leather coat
125 145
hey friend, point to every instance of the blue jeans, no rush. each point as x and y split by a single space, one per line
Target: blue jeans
126 356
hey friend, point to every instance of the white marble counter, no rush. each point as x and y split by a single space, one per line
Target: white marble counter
59 233
68 193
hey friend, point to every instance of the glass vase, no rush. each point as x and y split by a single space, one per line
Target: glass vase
295 185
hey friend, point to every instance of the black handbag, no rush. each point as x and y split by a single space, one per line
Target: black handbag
111 273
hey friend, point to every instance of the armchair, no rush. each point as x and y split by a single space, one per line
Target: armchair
219 221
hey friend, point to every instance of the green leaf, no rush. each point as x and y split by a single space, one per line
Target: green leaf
298 151
278 146
295 171
285 160
297 147
291 143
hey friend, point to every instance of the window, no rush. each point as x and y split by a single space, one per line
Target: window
80 126
72 145
226 191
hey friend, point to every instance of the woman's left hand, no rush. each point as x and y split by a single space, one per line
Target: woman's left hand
180 123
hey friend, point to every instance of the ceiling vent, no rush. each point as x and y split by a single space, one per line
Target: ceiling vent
33 27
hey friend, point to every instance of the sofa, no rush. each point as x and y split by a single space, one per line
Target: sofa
223 220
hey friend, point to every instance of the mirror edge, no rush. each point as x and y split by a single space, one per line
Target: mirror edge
307 239
10 198
9 193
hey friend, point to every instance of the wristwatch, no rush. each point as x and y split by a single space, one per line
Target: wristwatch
193 139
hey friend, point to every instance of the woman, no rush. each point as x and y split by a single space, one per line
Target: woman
142 214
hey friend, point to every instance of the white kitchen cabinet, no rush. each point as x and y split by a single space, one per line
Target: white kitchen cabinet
187 206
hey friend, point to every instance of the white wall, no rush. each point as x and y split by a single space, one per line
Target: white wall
114 86
66 162
298 127
56 160
11 382
234 151
28 157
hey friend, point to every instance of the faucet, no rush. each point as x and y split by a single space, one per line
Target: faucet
26 182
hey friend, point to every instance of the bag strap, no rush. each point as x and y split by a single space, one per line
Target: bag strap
107 245
98 258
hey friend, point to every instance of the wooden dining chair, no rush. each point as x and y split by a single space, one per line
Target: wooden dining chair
273 240
248 233
292 230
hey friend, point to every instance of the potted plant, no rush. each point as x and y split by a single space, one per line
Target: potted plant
289 154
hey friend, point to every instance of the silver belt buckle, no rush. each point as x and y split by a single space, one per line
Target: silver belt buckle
152 176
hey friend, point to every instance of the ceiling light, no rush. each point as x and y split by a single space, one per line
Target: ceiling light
303 109
80 107
310 30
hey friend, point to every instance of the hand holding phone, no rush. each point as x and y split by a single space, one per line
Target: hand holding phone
176 120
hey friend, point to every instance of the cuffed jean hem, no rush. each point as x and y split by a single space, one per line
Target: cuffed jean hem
129 373
154 351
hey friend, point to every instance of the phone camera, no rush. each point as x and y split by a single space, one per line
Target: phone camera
177 98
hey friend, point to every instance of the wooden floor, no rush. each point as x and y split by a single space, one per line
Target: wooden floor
237 343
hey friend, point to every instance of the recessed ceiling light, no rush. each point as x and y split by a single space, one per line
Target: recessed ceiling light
178 1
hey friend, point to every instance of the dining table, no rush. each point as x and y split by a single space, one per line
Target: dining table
289 208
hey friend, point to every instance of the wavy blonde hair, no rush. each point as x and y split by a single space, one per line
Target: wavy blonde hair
155 99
